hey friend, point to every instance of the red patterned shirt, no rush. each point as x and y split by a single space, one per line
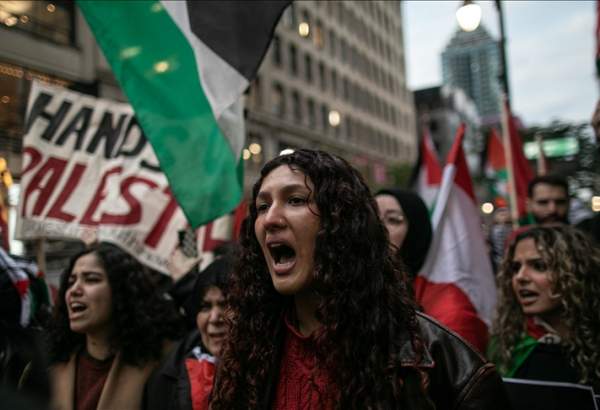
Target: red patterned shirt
303 383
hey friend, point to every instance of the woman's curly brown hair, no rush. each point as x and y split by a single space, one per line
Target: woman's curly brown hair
142 318
574 270
365 306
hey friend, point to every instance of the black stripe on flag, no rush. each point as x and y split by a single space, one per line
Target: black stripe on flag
238 31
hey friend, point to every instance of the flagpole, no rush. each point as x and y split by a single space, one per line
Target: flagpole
512 189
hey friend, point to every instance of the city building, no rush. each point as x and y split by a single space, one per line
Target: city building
471 61
441 110
334 78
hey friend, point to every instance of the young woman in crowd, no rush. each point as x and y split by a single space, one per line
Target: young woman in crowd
548 321
321 317
185 380
110 329
407 220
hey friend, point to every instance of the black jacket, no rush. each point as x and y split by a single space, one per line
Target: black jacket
168 388
459 377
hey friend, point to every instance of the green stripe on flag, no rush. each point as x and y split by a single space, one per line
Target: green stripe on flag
156 68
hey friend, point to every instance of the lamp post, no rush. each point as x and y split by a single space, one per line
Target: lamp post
469 17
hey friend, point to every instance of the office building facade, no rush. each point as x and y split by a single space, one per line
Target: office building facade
471 61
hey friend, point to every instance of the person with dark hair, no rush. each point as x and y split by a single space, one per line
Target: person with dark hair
548 199
406 218
185 380
110 329
405 211
548 319
320 313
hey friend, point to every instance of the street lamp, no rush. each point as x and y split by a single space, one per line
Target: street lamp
469 16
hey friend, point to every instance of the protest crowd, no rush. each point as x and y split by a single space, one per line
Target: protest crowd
326 294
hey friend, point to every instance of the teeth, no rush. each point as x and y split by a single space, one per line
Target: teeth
77 306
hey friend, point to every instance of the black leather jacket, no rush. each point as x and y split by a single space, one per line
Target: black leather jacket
459 377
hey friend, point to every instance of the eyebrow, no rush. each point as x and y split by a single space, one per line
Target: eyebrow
286 190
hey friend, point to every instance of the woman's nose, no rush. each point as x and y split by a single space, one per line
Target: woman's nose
522 274
274 217
216 315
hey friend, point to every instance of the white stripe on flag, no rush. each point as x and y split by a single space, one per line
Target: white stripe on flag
214 73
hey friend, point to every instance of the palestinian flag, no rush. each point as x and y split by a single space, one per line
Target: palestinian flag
456 285
183 66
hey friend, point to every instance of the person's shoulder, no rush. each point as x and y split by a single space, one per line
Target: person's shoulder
461 375
438 336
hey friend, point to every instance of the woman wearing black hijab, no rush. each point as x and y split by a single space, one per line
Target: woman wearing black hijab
409 227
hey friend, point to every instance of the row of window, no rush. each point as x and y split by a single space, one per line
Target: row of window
341 86
357 27
385 80
307 111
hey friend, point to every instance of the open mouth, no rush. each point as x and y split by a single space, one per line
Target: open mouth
527 295
77 307
284 256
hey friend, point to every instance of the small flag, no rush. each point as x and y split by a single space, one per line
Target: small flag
495 169
428 175
457 282
520 170
183 67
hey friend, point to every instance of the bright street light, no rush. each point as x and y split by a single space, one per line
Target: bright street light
469 15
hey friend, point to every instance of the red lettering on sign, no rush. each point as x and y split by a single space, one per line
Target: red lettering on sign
88 217
36 157
160 226
56 211
44 181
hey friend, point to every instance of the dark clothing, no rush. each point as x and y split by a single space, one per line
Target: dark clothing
459 377
89 381
169 387
547 362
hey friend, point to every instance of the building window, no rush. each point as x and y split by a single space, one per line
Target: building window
293 59
346 89
344 48
332 43
334 84
308 70
54 21
324 117
322 78
277 51
318 34
278 100
256 93
349 129
289 16
312 115
297 107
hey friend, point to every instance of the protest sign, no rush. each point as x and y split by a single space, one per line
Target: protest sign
89 172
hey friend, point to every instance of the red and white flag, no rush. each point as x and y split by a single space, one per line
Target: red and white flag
429 173
456 285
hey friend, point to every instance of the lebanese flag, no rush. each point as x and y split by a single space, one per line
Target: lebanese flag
428 174
456 285
184 66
